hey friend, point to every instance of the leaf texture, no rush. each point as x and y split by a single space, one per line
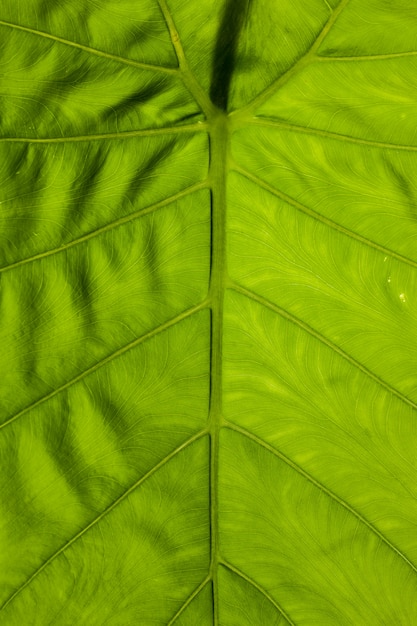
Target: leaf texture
208 304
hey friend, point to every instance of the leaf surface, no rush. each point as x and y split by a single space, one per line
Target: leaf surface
208 304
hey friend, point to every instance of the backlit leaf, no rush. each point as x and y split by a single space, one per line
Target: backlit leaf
208 305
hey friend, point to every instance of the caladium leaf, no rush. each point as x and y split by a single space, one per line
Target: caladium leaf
208 312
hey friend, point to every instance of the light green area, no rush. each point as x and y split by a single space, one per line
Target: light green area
208 313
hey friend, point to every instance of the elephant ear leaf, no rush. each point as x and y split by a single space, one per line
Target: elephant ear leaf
208 312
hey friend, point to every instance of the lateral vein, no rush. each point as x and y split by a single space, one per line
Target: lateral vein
188 601
108 227
254 584
324 220
259 121
146 132
366 57
94 51
152 333
187 75
325 490
120 499
314 333
302 62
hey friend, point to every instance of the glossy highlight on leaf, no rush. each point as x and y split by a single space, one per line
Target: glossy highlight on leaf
208 313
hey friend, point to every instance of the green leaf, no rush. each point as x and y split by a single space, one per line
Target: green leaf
208 304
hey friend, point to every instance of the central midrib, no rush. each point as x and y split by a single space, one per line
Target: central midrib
219 141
